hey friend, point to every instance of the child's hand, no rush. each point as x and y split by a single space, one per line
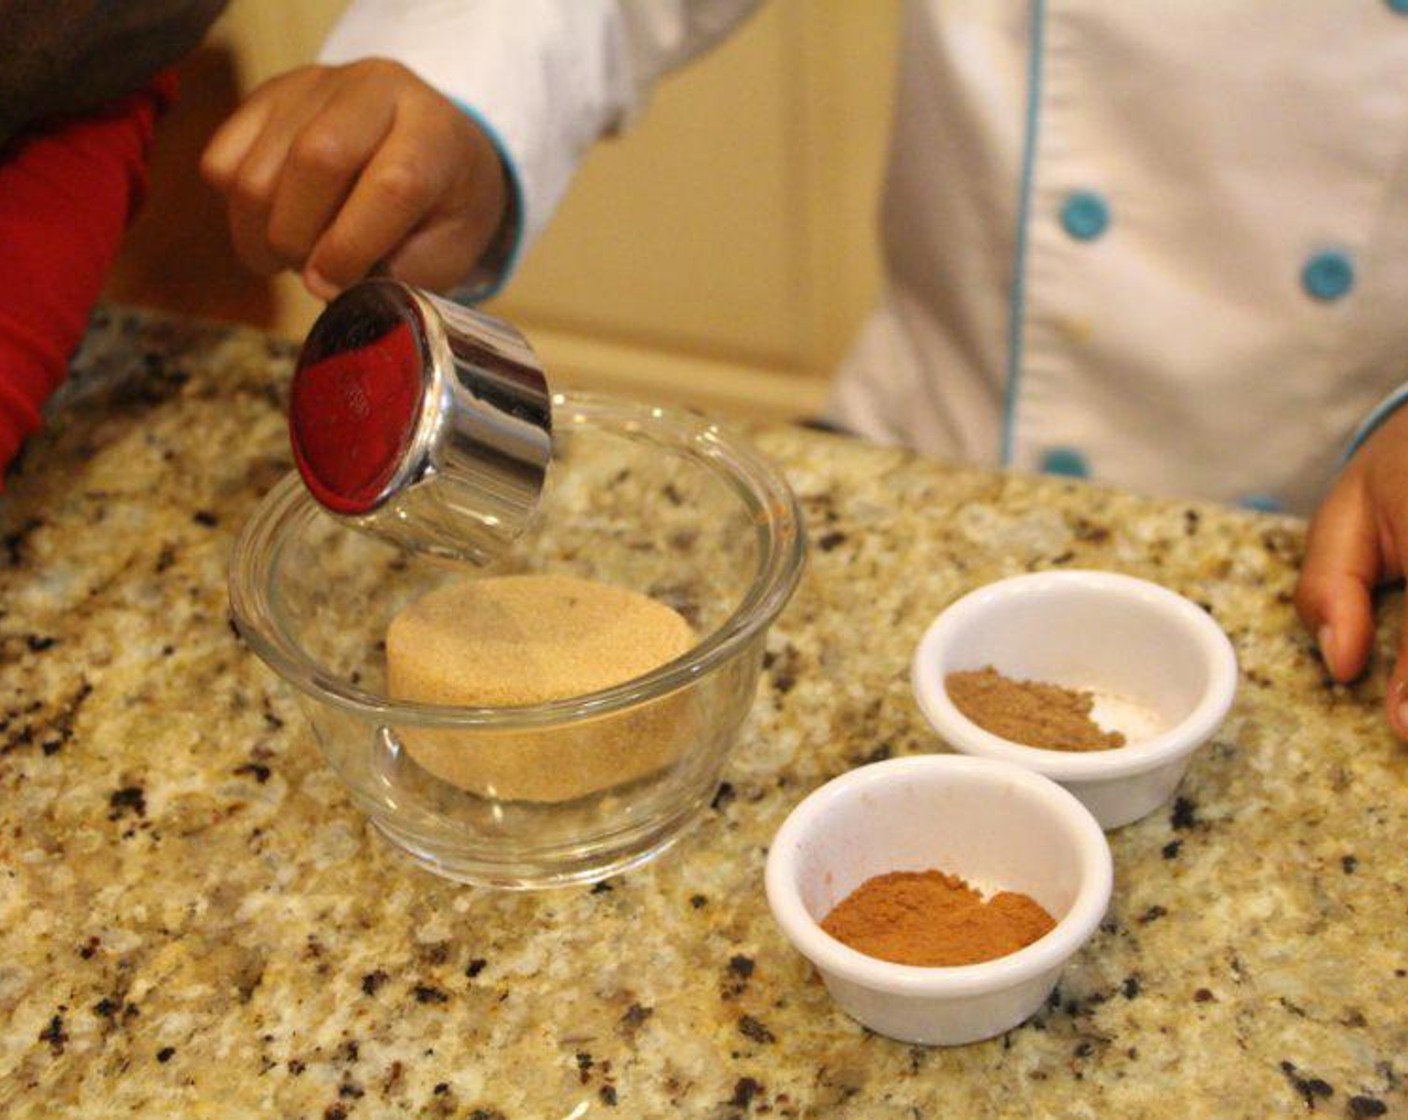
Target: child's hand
1358 539
331 170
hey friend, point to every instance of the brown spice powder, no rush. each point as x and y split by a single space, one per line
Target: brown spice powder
931 918
1031 712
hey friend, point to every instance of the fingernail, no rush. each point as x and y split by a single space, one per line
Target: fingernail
318 285
1325 639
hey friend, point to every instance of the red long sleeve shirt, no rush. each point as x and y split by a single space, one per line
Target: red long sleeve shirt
67 192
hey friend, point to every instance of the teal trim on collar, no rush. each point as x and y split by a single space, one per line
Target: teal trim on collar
515 179
1018 300
1374 421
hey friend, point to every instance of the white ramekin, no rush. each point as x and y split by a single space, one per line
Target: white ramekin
994 824
1087 630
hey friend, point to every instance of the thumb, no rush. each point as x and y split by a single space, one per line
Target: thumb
1342 565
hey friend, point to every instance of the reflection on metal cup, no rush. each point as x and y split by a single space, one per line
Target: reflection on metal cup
422 421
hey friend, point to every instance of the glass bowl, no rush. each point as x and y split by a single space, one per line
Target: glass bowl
658 501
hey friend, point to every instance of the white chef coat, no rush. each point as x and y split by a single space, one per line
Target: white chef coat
1159 245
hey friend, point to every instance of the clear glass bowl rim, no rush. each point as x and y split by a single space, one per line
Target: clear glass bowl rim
762 489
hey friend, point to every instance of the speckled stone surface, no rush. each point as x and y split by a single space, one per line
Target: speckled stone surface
194 921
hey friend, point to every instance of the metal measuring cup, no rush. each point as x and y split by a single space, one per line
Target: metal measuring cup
421 421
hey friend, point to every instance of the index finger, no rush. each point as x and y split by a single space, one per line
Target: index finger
231 142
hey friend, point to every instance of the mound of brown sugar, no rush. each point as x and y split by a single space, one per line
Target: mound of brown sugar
1031 712
514 641
931 918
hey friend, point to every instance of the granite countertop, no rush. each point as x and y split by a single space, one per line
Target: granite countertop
195 921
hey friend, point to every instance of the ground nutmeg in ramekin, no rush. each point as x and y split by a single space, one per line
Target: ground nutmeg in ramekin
1033 713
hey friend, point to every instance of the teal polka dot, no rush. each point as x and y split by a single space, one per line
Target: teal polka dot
1085 215
1065 461
1263 503
1328 276
1399 6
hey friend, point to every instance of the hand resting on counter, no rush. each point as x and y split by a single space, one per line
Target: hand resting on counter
1357 541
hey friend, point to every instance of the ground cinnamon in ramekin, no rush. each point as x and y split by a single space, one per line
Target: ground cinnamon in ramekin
1031 712
932 918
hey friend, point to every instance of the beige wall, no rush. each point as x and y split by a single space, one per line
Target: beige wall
721 253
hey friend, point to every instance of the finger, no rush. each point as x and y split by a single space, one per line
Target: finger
442 250
255 183
1392 539
440 254
323 164
1343 562
231 142
397 190
249 233
1396 702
